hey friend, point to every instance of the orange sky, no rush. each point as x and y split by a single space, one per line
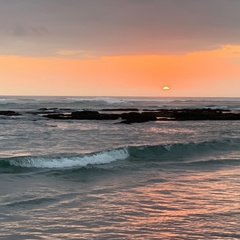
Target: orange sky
205 73
120 48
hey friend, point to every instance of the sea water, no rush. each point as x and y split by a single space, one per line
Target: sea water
81 179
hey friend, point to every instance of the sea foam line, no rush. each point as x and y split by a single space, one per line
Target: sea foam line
162 152
69 162
107 100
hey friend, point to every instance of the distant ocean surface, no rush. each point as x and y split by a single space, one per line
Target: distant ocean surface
81 179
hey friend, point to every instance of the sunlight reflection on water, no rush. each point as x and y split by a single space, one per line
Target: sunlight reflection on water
187 205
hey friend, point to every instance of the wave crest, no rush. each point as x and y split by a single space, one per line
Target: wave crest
70 162
177 152
99 100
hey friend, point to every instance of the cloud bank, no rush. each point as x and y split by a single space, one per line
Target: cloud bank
113 27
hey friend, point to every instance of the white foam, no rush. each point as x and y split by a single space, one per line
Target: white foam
65 162
6 100
113 100
108 100
168 147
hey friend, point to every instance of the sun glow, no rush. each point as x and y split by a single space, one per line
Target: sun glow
145 75
166 88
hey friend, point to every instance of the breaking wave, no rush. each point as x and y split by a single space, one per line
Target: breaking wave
99 100
70 161
168 153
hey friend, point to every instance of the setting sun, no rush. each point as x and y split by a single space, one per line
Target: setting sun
166 88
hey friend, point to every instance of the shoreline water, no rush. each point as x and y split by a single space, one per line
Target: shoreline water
91 179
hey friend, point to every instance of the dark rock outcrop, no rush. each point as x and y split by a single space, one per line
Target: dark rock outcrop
203 114
9 113
42 111
83 115
134 117
109 116
120 110
60 116
93 115
86 115
150 115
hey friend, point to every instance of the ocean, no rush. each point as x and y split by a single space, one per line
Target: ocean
89 179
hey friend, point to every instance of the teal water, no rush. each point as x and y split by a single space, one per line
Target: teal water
103 180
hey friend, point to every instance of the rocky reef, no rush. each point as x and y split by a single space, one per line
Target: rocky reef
146 115
133 115
9 113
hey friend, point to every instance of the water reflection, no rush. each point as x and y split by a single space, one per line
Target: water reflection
186 206
146 205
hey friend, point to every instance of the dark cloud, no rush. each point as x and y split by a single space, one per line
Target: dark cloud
112 27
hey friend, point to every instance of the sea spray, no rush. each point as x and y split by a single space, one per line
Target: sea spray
71 161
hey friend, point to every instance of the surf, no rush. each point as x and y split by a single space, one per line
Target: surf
168 153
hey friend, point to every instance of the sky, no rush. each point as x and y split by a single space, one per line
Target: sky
120 48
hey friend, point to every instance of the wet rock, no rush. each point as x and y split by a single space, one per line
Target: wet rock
204 114
9 113
120 110
93 115
86 115
60 116
134 117
42 111
151 115
109 116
